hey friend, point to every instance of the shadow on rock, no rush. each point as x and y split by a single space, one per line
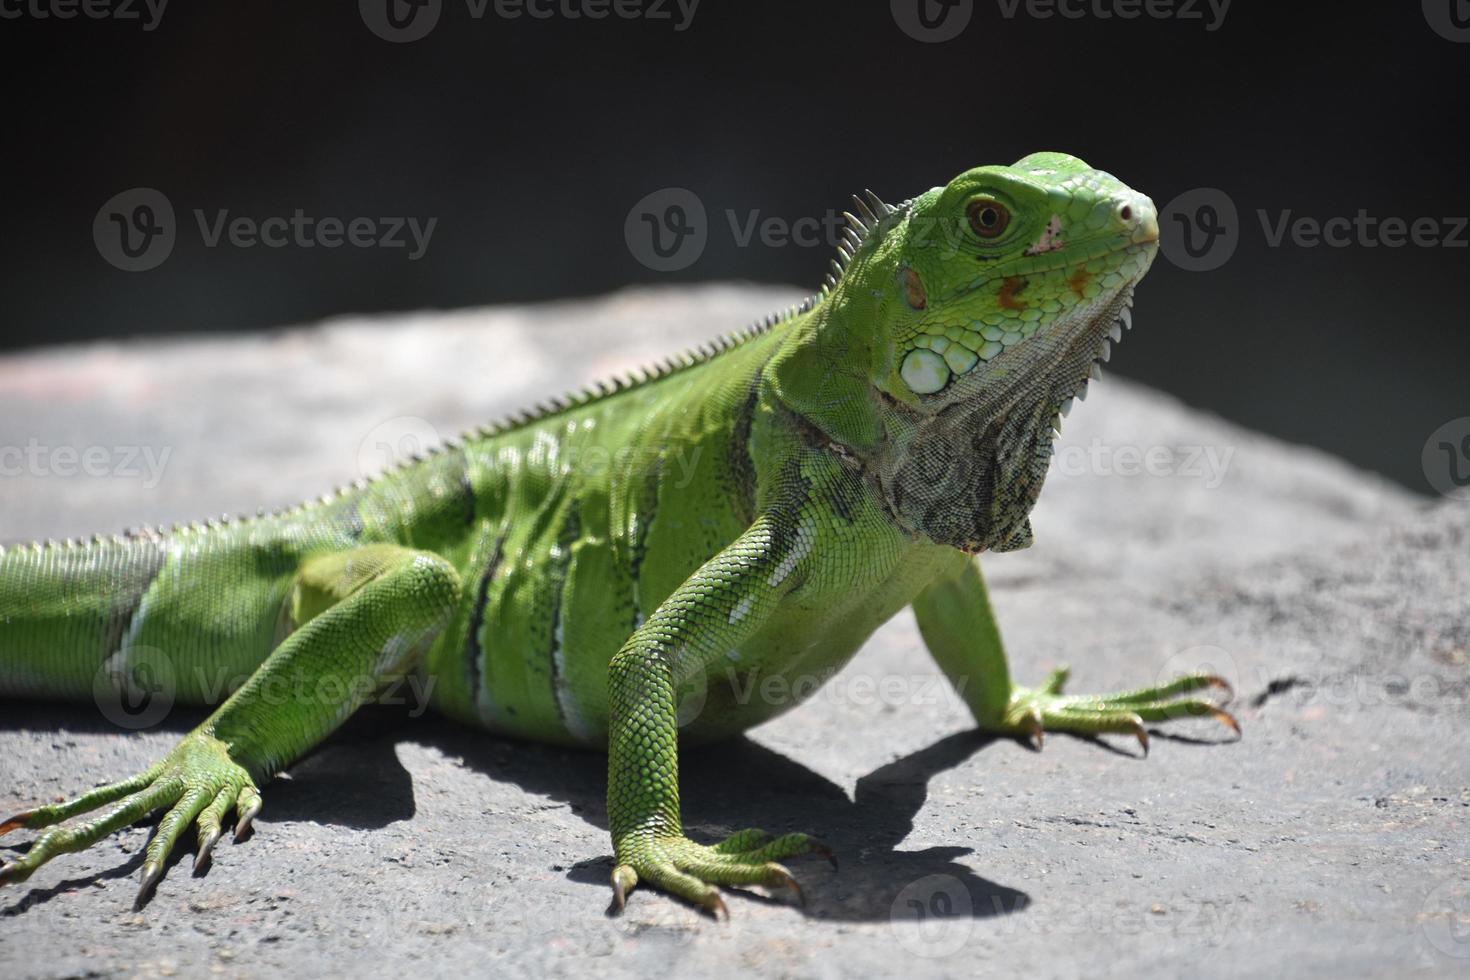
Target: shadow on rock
355 779
748 785
54 717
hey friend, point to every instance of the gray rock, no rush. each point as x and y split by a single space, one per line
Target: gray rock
1330 840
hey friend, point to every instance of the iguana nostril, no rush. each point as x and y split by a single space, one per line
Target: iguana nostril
1138 219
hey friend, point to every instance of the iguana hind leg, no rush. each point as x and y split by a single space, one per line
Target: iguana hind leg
959 629
361 617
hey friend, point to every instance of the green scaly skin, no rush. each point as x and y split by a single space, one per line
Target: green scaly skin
615 570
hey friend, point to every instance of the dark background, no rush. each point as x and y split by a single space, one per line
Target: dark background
530 141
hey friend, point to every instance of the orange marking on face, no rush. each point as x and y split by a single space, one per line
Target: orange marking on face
1078 280
1009 287
914 292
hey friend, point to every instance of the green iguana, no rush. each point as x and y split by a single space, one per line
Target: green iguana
755 508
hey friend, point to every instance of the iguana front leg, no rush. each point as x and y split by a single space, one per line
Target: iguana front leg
959 628
361 617
718 607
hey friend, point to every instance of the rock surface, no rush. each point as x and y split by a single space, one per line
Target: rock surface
1334 839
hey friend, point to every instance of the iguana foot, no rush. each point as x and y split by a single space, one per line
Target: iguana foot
197 780
689 870
1034 711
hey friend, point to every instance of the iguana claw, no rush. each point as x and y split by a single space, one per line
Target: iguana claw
691 871
795 887
1227 719
152 871
818 848
1215 680
623 880
198 780
16 822
1035 711
249 804
205 853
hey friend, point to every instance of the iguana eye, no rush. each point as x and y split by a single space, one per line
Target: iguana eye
988 218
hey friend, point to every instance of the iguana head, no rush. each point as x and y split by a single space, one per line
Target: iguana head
1010 279
975 312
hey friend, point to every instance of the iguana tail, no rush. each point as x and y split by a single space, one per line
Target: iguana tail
194 612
